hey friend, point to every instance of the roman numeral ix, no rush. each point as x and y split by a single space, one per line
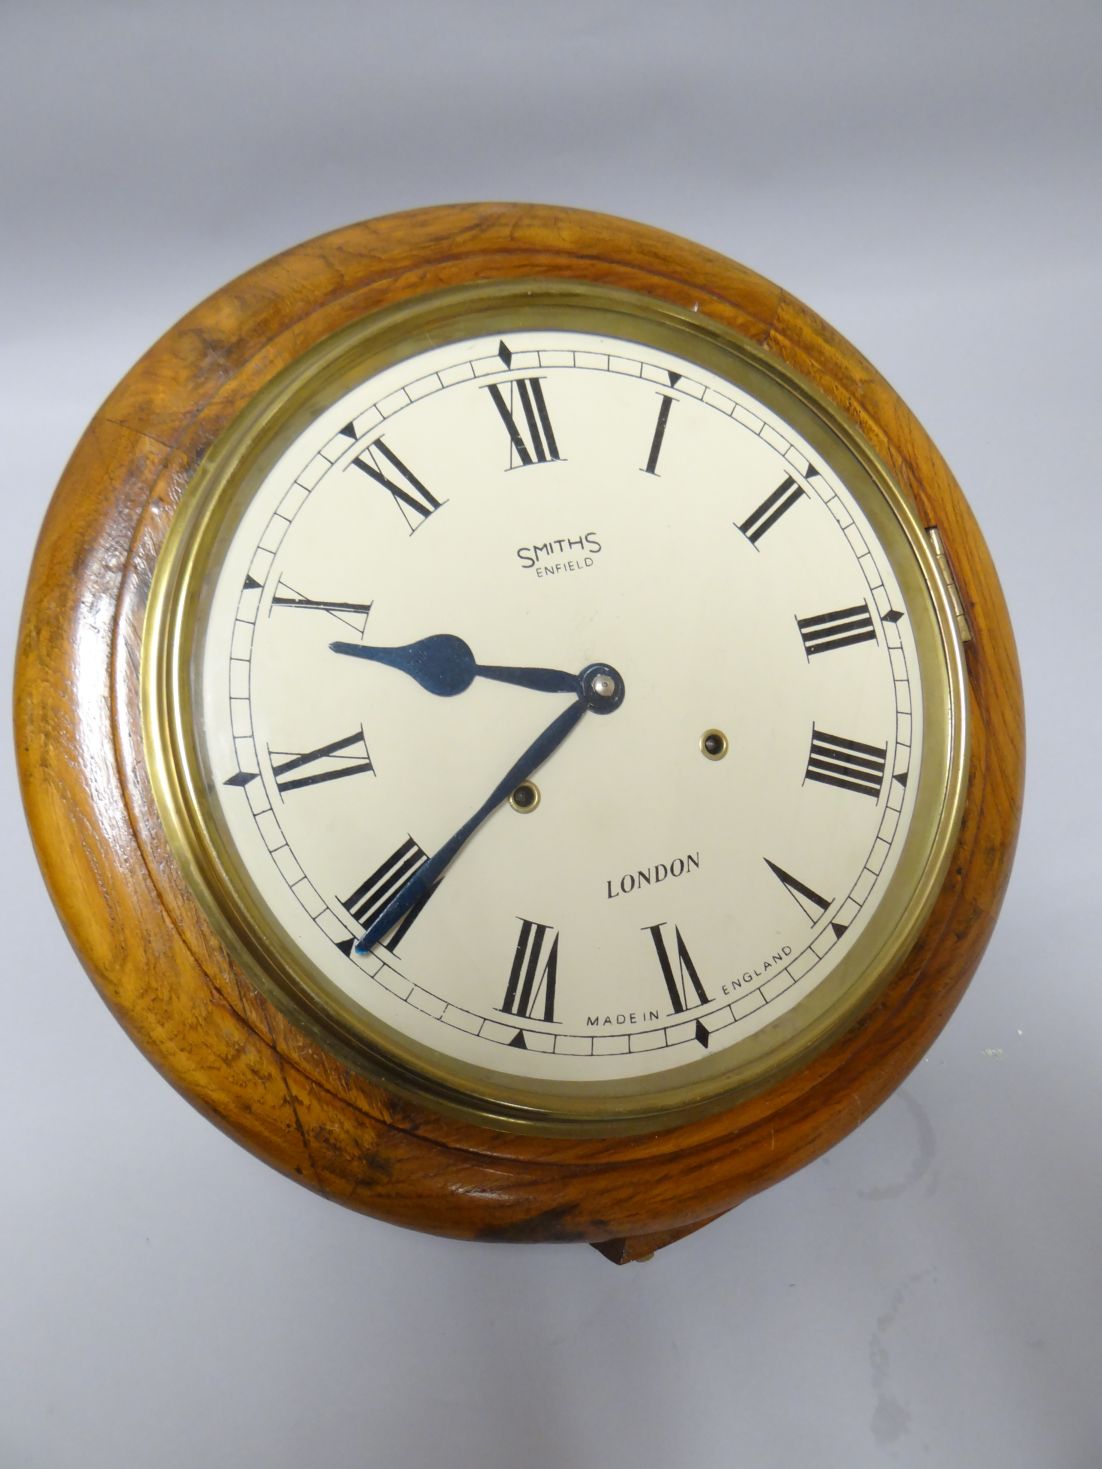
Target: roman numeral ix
848 764
334 761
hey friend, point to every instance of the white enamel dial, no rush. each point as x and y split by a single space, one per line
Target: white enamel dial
692 865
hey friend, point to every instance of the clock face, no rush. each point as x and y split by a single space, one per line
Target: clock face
561 707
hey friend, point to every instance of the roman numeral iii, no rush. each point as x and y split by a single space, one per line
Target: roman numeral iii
678 985
415 502
848 764
829 630
534 973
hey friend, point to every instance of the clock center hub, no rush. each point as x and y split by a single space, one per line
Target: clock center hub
602 688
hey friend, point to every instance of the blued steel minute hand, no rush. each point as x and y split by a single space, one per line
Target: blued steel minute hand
444 664
428 874
598 688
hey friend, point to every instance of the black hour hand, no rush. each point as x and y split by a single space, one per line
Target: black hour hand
444 664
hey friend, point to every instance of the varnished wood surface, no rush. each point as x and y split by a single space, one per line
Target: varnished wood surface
145 942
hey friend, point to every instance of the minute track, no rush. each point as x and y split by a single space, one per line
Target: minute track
408 956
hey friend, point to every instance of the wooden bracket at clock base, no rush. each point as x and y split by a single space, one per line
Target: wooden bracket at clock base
642 1247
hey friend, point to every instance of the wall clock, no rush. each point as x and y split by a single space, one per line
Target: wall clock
520 724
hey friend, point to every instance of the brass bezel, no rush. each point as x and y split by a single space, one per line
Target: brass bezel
239 916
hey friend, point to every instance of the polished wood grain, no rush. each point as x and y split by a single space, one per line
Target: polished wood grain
128 911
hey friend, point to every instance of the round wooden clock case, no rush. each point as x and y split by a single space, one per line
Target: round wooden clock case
275 1085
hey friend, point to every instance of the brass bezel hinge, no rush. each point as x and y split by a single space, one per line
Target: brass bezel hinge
949 581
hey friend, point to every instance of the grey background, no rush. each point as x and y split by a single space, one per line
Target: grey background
927 176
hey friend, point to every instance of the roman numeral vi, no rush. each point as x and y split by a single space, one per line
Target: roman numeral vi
677 985
531 986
